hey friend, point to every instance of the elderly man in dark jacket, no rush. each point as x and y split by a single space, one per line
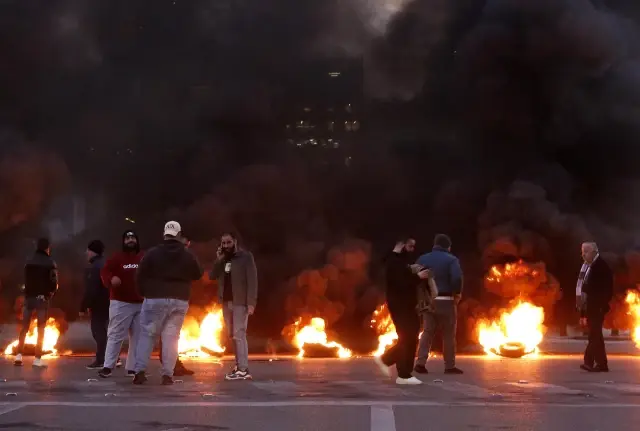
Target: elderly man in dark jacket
96 301
595 285
164 279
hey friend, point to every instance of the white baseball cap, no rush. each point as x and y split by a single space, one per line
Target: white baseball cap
172 228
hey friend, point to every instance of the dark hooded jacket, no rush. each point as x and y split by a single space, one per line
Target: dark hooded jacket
40 275
124 265
167 271
96 295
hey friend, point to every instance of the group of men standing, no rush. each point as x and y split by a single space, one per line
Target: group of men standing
145 295
439 274
406 279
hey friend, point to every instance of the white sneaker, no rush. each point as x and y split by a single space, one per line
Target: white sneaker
409 381
38 363
18 361
383 367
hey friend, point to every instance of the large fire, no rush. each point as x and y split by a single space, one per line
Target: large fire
314 334
633 299
203 340
386 330
519 329
51 335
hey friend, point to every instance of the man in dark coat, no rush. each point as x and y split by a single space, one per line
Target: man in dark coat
595 289
96 300
403 278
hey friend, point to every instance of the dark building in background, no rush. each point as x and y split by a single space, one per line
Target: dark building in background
321 107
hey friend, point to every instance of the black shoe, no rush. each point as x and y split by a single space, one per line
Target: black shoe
601 369
453 370
421 369
131 373
139 378
167 381
105 372
588 368
95 365
181 370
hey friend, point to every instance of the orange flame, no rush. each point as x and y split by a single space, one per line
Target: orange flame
386 330
522 325
203 340
51 335
314 333
633 299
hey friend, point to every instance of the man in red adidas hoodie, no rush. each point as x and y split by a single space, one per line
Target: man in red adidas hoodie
119 275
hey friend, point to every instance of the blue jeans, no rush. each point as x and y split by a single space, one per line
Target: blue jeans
124 319
164 317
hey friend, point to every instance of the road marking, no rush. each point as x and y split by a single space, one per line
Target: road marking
463 388
620 387
382 418
10 408
547 387
317 403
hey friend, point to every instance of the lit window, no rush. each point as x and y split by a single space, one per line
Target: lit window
307 109
334 74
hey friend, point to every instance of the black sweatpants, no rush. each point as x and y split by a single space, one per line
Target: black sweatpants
403 353
99 327
595 353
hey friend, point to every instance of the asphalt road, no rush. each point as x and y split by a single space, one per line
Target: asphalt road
546 393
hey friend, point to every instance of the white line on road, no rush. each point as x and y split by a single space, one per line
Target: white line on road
317 403
382 418
4 409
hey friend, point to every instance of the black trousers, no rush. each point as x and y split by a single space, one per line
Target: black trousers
595 352
403 353
99 327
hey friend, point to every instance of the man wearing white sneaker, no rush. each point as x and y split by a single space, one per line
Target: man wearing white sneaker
40 284
402 296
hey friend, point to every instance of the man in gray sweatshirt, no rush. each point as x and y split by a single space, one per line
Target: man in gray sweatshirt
237 276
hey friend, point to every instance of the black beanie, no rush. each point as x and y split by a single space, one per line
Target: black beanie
96 246
127 233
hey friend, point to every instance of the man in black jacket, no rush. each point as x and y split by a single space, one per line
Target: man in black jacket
96 301
164 279
595 286
40 284
403 278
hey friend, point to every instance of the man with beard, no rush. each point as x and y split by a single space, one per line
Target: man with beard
448 277
403 278
119 275
237 276
595 288
96 301
40 284
164 279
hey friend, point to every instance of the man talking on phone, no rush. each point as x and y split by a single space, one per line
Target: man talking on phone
237 276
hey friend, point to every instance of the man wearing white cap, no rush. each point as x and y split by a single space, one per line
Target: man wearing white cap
164 279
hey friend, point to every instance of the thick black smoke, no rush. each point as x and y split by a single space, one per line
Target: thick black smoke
509 124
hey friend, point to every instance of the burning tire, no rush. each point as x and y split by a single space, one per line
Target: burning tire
512 350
